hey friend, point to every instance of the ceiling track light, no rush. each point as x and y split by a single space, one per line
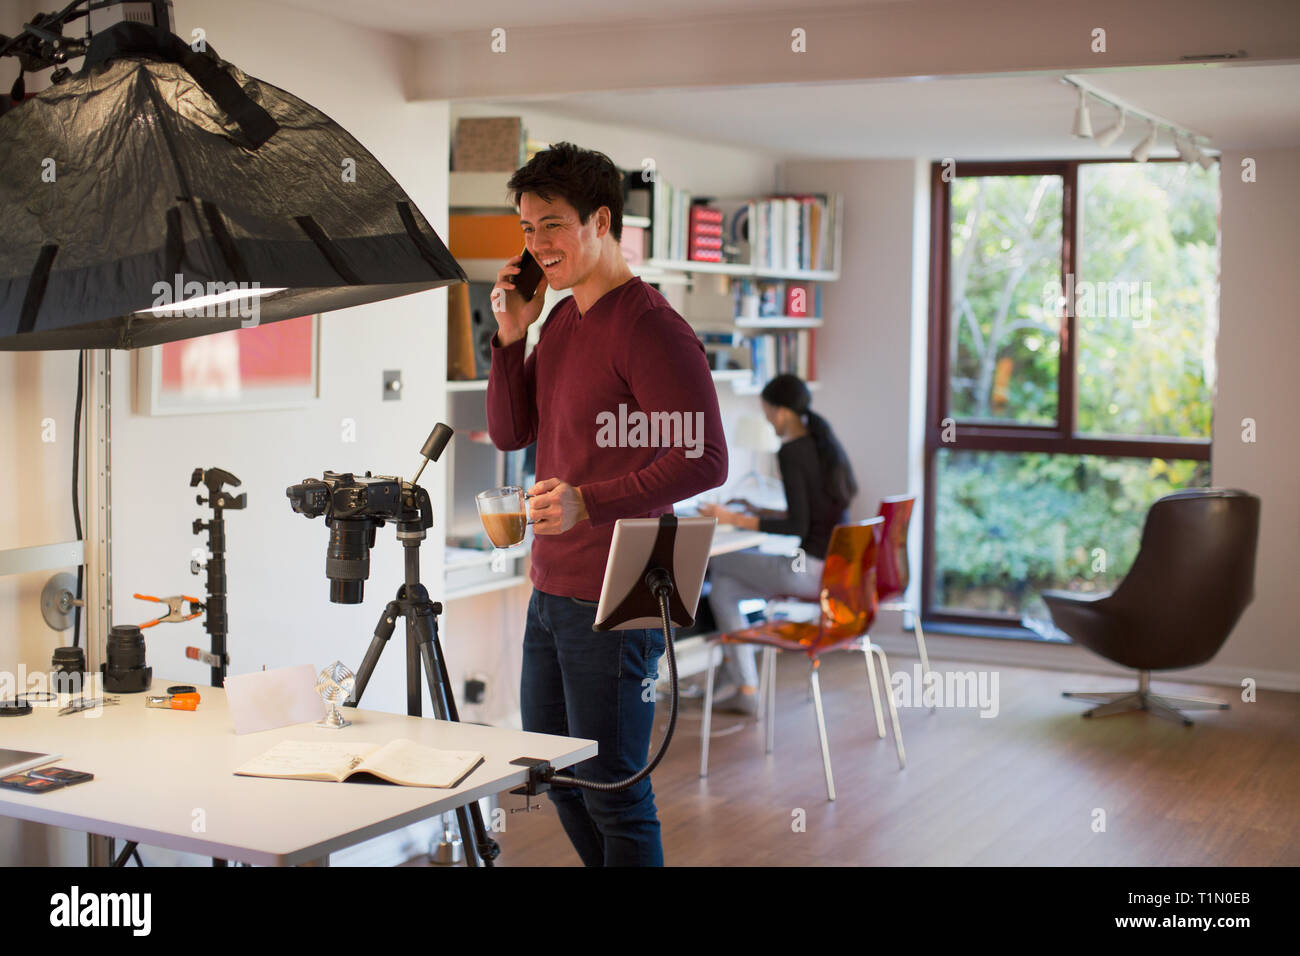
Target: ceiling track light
1191 145
1108 136
1082 122
1143 149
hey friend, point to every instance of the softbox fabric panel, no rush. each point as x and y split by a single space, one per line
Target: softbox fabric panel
157 171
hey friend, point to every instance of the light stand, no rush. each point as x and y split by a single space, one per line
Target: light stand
215 623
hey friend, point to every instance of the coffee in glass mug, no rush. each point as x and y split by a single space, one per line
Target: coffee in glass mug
502 512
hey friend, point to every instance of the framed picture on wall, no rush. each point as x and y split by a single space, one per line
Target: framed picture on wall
262 367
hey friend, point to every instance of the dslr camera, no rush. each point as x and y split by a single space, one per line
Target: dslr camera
354 507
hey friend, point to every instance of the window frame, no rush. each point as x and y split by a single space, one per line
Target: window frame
1061 438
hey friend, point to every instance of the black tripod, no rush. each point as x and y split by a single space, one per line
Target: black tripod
423 650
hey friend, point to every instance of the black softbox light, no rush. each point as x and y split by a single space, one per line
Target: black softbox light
158 171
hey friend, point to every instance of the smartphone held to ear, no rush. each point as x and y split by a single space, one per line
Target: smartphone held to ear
527 278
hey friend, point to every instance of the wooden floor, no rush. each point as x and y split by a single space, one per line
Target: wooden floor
1023 787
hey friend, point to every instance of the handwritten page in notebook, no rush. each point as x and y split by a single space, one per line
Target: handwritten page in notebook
309 760
414 765
399 761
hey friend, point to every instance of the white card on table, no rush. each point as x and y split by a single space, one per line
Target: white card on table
265 700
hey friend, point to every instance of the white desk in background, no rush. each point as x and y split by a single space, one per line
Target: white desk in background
691 652
159 773
728 538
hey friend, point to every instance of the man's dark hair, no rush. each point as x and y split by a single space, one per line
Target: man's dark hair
583 178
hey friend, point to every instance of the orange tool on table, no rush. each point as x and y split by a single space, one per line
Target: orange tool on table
173 701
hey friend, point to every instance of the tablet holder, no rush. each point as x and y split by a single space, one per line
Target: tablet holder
644 602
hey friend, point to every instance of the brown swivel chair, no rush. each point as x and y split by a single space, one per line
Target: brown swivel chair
1193 576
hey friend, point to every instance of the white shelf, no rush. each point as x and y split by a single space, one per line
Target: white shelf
820 275
750 387
716 268
460 559
779 322
485 270
640 222
742 269
472 385
485 588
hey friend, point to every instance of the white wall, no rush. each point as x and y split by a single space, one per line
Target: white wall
279 612
864 351
1259 345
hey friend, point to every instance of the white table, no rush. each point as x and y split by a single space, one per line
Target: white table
158 773
728 538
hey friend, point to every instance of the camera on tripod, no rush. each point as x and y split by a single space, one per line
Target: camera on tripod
354 507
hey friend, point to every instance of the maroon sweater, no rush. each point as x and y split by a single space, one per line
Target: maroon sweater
631 349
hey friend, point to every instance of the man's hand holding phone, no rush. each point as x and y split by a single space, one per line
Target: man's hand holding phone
513 314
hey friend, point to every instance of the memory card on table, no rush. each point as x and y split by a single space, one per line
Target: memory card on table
28 784
61 774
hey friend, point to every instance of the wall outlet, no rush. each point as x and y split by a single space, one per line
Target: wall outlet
475 689
392 385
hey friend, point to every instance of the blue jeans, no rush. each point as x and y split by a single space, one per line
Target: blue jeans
599 685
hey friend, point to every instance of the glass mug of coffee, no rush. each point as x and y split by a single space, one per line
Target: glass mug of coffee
502 512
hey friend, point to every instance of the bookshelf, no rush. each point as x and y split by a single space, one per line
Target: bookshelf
768 246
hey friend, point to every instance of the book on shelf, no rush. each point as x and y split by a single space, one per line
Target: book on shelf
775 298
778 232
793 232
781 353
403 762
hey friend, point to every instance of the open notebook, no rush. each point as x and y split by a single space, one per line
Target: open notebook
400 761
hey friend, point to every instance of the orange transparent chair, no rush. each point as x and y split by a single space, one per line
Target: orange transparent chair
892 578
847 608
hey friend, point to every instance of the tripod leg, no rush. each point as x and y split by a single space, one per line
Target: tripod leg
485 849
383 631
414 706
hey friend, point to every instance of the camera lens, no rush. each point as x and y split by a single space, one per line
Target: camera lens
125 670
125 647
347 559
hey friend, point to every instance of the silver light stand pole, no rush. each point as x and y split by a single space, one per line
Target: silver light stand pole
98 396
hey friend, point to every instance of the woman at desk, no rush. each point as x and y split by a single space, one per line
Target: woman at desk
819 485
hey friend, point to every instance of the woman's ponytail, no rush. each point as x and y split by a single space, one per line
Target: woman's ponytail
840 485
789 391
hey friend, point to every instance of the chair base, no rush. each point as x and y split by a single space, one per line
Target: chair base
767 705
1161 705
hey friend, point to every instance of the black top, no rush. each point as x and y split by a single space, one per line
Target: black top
809 513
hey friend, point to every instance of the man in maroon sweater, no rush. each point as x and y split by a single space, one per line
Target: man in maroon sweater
618 396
